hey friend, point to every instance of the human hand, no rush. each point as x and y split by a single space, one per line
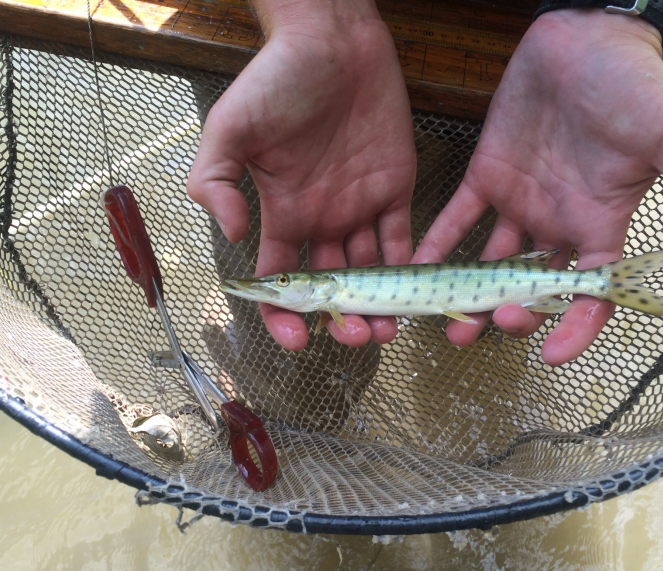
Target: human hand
322 119
572 142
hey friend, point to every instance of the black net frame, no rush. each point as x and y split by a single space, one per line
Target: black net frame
606 441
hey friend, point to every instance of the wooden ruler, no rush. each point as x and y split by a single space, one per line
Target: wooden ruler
432 34
452 53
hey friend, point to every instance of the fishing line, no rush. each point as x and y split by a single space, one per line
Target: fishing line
102 112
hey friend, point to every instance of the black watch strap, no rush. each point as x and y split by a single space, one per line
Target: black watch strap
649 10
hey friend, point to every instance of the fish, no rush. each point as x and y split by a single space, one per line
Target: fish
454 289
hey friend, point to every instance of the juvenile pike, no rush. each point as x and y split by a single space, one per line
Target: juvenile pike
454 289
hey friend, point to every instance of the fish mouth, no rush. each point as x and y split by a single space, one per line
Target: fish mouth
257 289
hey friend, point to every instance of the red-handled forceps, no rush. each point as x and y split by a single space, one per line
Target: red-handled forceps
138 258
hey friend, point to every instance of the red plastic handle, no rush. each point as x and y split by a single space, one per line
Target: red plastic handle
245 426
131 240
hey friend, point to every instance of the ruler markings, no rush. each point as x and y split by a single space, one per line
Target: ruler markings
430 33
451 37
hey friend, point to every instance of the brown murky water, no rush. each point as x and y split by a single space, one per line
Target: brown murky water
56 514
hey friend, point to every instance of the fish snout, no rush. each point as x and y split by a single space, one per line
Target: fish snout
258 288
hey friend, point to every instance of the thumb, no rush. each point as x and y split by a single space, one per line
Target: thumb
219 163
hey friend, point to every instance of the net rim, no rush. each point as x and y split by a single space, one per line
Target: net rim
481 518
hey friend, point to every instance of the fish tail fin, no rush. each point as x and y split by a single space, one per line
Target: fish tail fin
626 287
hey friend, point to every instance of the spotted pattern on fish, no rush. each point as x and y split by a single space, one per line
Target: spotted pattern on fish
475 287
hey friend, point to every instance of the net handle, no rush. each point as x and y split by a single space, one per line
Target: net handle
245 427
132 241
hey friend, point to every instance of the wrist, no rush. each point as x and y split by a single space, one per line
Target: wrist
597 17
595 24
315 16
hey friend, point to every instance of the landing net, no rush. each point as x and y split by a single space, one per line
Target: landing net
412 436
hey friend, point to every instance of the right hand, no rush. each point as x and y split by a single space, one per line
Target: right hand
571 144
321 118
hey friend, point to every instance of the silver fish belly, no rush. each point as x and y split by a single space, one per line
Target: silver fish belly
441 288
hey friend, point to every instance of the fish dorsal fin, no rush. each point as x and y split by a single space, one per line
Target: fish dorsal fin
537 256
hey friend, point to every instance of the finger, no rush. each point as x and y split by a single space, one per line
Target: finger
383 328
220 160
584 319
357 331
395 235
287 328
327 254
451 226
361 250
506 239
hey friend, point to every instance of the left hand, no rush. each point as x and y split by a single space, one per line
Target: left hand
322 120
572 142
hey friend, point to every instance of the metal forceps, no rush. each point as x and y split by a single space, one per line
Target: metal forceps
140 263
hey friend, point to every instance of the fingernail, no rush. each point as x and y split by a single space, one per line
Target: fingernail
221 225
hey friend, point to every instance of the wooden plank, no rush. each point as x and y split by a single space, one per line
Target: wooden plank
198 21
222 36
483 72
124 37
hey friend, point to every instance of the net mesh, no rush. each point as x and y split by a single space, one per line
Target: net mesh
416 426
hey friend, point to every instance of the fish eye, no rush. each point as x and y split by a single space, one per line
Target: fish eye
283 280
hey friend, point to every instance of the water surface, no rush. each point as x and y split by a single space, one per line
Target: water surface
56 514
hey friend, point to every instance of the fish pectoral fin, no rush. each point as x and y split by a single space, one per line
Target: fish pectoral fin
537 256
548 305
459 316
322 322
337 317
326 317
